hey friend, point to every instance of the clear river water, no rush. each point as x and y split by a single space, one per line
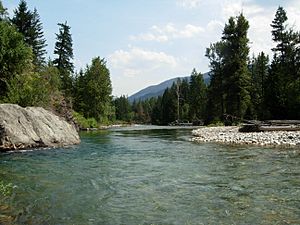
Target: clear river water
151 175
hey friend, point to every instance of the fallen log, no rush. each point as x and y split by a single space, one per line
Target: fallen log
282 122
279 128
267 127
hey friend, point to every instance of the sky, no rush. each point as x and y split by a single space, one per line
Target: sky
146 42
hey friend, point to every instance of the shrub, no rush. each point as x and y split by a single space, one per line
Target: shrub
84 122
216 123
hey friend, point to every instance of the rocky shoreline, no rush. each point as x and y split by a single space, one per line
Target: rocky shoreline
33 127
231 135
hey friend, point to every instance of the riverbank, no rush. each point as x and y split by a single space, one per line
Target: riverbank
33 127
231 135
103 127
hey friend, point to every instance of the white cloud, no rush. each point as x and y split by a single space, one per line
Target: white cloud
189 3
168 32
134 56
149 37
214 25
293 13
135 68
235 7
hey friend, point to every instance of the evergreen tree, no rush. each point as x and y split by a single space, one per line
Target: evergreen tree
34 89
259 70
282 95
80 84
279 32
28 23
96 91
215 107
15 55
198 96
140 114
184 100
147 111
23 21
123 109
169 105
38 42
229 90
156 114
64 51
237 77
3 12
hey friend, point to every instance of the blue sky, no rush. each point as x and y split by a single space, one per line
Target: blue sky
148 41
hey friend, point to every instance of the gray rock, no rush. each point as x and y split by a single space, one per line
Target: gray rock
33 127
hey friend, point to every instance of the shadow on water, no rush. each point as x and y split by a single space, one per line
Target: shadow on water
151 175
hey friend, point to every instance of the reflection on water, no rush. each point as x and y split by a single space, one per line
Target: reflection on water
151 176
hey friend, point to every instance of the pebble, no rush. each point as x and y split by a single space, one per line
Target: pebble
231 135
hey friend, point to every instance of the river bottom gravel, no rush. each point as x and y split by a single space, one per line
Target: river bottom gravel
231 135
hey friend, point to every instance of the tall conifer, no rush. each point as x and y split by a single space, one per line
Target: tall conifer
38 42
28 23
3 12
64 55
197 96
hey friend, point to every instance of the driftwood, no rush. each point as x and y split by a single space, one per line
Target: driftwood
279 128
283 122
268 125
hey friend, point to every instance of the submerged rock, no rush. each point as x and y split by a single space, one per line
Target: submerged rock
33 127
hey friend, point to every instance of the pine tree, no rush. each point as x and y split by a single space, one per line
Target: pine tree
279 32
184 109
282 97
215 107
237 76
123 108
79 87
3 12
229 90
197 96
97 92
15 55
140 114
38 42
23 21
259 70
64 51
28 23
169 105
156 114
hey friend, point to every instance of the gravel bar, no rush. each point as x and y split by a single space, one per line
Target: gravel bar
231 135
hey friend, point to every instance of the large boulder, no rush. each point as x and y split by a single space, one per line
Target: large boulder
33 127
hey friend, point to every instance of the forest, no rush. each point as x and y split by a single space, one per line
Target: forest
241 86
27 78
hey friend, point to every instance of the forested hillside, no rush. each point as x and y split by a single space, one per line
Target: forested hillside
257 87
28 79
241 87
158 90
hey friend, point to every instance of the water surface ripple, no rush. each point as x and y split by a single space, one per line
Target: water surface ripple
152 176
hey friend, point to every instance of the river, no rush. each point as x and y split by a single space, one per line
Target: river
151 175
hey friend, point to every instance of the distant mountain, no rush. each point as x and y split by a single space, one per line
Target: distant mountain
158 90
